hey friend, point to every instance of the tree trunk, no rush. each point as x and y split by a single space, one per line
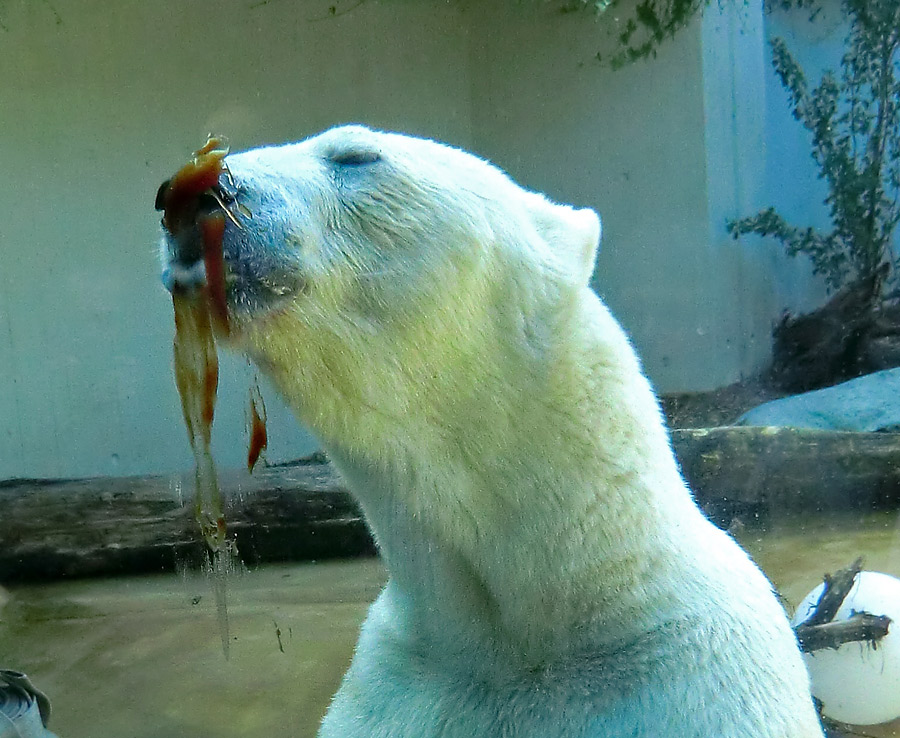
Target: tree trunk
828 345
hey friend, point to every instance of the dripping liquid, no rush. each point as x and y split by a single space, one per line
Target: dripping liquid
197 377
199 314
259 437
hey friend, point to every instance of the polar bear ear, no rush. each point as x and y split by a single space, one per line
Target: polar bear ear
573 235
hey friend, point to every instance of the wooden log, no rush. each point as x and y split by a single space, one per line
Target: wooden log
81 527
302 510
754 473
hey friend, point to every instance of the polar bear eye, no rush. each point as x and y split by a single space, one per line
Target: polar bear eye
354 157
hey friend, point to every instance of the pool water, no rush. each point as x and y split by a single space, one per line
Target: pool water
141 657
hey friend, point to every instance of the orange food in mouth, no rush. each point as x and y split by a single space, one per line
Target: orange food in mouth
178 197
196 314
200 315
212 227
180 200
197 379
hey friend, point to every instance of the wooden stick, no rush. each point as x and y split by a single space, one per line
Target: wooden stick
860 627
820 631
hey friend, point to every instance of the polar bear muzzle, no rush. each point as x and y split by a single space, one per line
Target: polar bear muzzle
211 243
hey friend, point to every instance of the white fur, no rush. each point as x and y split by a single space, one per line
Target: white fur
550 574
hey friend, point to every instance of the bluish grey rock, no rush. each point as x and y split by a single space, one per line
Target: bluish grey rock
868 403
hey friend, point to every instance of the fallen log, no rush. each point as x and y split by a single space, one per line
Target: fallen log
755 473
828 345
302 510
107 525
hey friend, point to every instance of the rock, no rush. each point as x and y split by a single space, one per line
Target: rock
868 403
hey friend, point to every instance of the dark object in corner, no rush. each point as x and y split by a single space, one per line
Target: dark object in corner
24 709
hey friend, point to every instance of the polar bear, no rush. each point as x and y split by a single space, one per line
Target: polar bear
550 574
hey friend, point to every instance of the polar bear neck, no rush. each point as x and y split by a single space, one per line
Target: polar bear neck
528 500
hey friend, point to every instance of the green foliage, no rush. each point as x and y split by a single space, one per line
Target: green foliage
653 23
649 23
855 126
813 6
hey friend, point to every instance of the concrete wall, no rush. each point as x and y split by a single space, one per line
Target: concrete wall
665 150
733 40
100 101
627 143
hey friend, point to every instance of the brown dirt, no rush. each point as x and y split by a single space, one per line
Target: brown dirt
717 407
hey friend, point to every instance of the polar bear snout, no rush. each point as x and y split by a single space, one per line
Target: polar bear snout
231 240
182 249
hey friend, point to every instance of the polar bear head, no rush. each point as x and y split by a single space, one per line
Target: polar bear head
431 322
364 213
353 255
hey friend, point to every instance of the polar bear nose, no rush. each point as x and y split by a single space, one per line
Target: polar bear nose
206 203
185 245
160 203
194 213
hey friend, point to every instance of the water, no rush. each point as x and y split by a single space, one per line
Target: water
796 552
141 657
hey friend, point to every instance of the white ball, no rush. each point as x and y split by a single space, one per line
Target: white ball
859 684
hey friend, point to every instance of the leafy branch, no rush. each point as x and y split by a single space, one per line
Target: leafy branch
854 120
649 24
